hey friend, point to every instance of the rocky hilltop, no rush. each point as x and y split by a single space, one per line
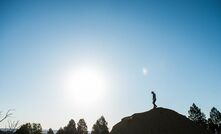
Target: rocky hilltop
157 121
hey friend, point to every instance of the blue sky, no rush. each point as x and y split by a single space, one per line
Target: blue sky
178 42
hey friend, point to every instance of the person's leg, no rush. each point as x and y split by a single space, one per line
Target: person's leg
154 105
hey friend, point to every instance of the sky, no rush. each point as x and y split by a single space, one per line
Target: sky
129 47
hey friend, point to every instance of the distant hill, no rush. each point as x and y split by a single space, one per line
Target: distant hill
157 121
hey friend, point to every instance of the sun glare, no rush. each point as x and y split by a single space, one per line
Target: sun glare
85 86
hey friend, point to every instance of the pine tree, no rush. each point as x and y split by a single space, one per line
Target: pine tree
82 127
50 131
215 120
60 131
70 128
36 128
197 116
100 127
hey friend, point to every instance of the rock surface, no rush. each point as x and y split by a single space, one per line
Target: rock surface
157 121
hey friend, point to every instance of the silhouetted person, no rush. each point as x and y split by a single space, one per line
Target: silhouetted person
154 99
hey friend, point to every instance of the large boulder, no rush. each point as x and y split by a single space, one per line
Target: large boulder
157 121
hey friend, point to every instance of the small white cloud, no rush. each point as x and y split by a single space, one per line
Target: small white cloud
145 71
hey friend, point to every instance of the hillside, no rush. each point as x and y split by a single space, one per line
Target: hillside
157 121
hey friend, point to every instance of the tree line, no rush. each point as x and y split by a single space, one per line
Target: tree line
100 127
213 124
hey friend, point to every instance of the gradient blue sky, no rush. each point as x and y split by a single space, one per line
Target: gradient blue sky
178 42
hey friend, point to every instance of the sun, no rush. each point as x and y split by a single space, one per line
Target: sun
85 85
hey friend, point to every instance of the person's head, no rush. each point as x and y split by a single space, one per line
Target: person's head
152 92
